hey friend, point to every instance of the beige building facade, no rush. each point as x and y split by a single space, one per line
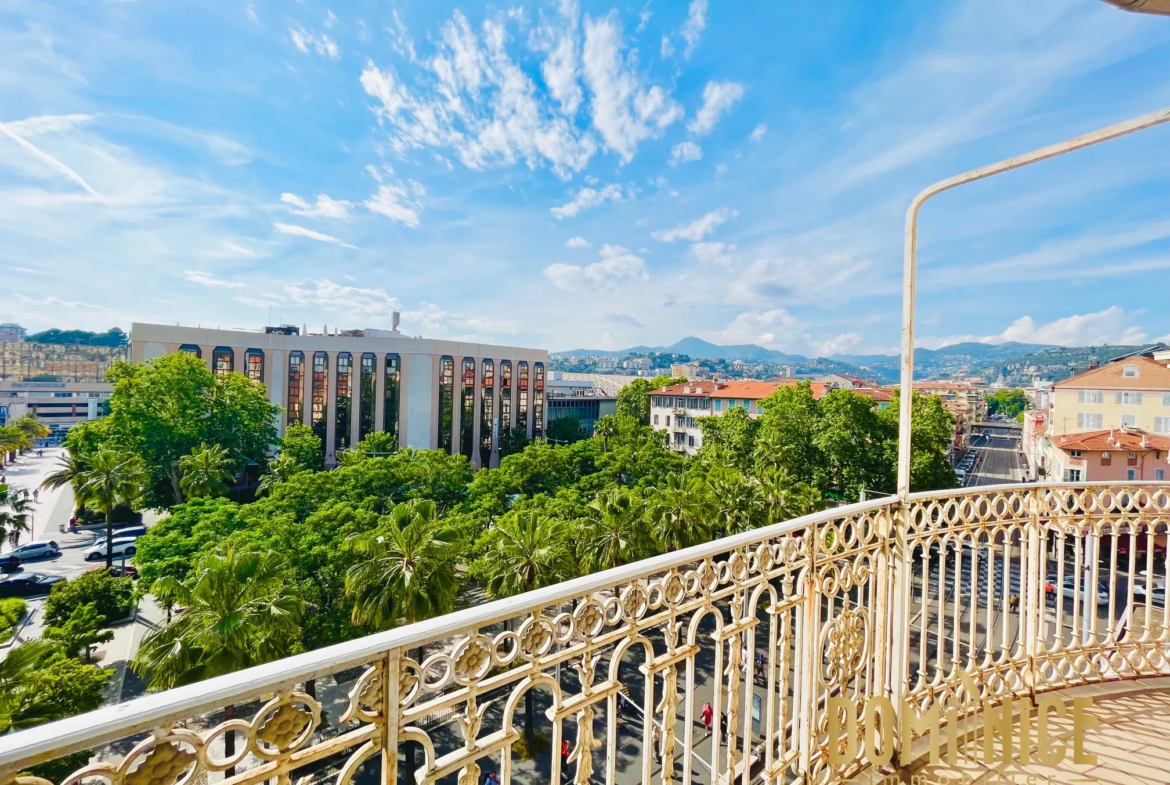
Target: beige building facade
432 394
1131 392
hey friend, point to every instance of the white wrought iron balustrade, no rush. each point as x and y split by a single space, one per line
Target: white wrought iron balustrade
882 598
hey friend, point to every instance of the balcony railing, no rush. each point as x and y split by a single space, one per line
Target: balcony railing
905 601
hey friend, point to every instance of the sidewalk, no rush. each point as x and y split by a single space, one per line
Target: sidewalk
27 472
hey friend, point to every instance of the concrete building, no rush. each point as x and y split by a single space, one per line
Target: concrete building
584 398
432 394
1121 454
965 400
11 332
59 405
1131 392
689 371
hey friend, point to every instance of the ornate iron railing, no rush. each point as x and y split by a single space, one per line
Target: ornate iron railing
875 599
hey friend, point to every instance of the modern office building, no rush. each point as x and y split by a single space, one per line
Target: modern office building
432 394
59 405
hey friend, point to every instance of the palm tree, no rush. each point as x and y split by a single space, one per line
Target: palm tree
21 707
205 472
112 478
11 440
407 568
71 467
680 512
14 513
31 427
784 499
239 610
280 469
528 555
406 573
615 532
737 502
606 427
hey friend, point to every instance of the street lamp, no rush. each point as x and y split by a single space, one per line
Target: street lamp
910 261
1143 6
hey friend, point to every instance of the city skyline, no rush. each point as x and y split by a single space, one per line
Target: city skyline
646 172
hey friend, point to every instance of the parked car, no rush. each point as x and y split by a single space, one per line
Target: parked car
128 533
1072 590
28 585
117 571
1157 593
120 548
37 549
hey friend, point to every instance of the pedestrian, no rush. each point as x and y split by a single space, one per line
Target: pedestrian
707 714
618 707
565 750
37 495
657 745
492 779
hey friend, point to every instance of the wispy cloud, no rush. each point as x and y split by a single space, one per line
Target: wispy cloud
207 279
684 152
7 130
587 198
718 98
301 231
324 208
698 229
694 26
394 202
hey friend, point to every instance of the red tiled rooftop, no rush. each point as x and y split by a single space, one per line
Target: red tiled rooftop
1129 440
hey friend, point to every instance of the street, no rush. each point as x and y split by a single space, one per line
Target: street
998 460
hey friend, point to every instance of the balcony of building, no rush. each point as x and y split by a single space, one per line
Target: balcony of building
725 662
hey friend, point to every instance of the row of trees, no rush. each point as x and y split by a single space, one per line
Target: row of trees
20 434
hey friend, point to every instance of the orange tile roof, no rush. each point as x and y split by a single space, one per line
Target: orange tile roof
1151 376
876 393
739 388
1129 440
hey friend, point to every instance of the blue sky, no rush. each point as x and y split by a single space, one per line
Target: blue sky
596 174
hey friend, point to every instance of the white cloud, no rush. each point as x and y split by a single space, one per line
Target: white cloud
684 152
578 242
770 279
47 124
235 249
41 123
587 198
305 40
559 70
616 263
758 133
696 230
325 207
301 231
756 327
207 279
624 112
844 343
1109 326
666 49
350 300
718 98
394 202
696 23
718 254
330 19
433 320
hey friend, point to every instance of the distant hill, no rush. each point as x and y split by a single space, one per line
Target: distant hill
1012 363
112 337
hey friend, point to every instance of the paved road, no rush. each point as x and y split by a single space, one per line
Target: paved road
998 462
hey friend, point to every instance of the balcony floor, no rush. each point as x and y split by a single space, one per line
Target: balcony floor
1131 742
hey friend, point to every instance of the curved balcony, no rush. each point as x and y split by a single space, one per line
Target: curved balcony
1003 591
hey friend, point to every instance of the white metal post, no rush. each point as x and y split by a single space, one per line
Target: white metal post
910 260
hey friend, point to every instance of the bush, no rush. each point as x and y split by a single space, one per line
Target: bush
12 610
112 597
539 746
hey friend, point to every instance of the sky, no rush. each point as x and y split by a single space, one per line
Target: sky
584 175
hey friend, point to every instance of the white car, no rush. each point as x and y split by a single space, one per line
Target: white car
37 549
1159 587
121 547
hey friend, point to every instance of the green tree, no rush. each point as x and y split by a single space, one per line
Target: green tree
785 499
932 434
853 439
15 518
405 570
605 429
12 439
376 443
565 430
164 409
12 610
529 554
110 479
205 472
36 687
280 469
614 533
237 612
302 446
736 501
680 512
730 439
788 428
1007 402
512 441
31 427
633 400
110 595
70 468
81 632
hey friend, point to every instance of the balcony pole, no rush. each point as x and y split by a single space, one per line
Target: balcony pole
910 261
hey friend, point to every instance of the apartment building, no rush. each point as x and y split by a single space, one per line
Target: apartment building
447 395
1121 454
965 400
688 371
677 408
1131 392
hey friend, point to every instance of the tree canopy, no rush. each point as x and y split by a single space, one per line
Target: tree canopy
1007 402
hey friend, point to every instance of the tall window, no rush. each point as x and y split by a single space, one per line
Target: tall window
192 349
446 402
369 382
320 395
467 417
522 396
538 401
223 360
487 387
390 404
344 401
254 365
505 396
296 386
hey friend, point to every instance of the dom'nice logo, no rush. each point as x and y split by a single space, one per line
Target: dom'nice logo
1026 734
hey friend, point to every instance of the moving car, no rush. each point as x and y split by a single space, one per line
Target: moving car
1072 590
121 547
28 585
37 549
